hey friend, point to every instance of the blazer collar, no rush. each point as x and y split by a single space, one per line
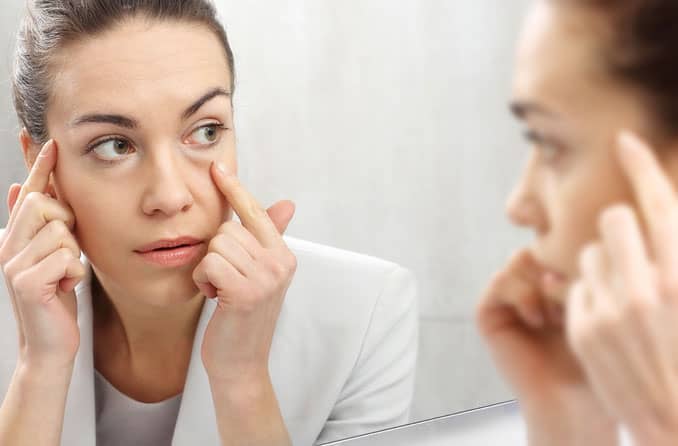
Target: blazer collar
196 421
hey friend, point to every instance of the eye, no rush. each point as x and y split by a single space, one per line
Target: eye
206 134
111 149
548 149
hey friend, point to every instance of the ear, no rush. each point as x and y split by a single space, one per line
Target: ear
28 147
30 150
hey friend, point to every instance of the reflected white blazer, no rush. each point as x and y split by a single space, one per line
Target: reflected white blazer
342 360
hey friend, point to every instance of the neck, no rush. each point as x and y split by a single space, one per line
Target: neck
137 329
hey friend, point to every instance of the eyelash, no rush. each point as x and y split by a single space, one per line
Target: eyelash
90 148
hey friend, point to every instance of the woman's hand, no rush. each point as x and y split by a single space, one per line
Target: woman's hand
248 269
623 314
527 341
40 261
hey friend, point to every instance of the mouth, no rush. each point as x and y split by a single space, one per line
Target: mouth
169 244
174 254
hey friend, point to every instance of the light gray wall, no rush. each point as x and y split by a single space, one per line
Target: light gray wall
386 122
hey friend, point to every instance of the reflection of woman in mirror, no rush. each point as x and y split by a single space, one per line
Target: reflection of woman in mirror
584 323
125 106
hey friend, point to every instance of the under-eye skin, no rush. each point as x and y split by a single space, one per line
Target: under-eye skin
206 136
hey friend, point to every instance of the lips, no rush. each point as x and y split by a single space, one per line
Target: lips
165 244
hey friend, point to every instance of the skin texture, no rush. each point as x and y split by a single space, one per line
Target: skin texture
162 183
531 314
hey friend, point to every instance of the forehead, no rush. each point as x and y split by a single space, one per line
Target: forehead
138 64
559 54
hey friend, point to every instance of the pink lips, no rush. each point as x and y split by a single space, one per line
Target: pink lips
169 243
172 252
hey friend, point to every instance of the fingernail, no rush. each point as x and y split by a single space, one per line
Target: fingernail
221 167
47 148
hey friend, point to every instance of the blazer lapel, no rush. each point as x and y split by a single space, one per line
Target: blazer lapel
196 421
79 427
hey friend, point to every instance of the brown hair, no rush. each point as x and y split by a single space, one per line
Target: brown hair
49 25
644 50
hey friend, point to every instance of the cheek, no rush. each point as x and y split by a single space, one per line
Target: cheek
580 198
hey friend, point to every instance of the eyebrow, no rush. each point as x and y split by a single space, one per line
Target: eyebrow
522 109
203 99
130 123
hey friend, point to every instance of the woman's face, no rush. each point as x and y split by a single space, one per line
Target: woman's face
136 113
573 112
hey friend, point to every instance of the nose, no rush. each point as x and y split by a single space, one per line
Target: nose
522 206
166 191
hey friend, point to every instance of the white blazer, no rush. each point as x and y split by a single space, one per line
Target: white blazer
342 361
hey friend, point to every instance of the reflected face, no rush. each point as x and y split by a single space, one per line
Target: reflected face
138 114
573 111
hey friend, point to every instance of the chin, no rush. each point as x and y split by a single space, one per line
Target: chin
173 292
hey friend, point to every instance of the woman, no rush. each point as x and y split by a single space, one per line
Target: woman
596 83
123 227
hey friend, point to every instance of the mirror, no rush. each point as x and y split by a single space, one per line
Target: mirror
386 123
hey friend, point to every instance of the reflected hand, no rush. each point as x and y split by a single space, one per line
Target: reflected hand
623 314
40 261
526 338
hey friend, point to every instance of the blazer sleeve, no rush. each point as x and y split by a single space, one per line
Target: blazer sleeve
378 393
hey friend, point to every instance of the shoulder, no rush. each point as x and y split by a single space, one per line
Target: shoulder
339 288
317 256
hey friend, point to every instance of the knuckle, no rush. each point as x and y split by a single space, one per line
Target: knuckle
65 254
8 270
33 199
277 268
215 242
17 283
291 263
227 226
232 226
615 216
58 229
211 264
210 259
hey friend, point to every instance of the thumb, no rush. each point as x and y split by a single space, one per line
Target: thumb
281 214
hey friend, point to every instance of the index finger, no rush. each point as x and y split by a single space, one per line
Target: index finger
38 177
253 217
655 195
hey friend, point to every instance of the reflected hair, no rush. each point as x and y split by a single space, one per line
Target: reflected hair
643 51
50 25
